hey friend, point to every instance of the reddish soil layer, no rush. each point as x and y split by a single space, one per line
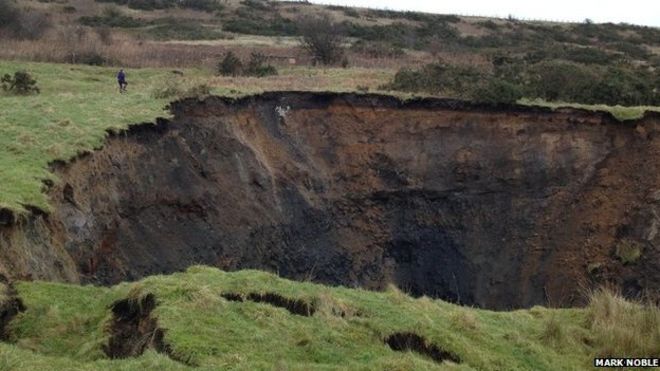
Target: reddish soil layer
498 207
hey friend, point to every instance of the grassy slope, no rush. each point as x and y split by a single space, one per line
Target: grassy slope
64 328
76 105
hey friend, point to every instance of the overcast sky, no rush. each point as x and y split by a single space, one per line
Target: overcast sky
646 12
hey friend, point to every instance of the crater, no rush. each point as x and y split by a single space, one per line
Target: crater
492 206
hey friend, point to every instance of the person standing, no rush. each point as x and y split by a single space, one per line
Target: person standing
121 79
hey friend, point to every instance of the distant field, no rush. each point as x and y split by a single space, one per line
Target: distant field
213 321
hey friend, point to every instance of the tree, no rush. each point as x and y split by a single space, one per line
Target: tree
321 38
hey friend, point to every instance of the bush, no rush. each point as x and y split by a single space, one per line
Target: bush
22 83
175 88
111 17
257 66
230 65
321 38
495 90
436 78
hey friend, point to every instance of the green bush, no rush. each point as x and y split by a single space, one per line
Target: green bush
230 65
495 90
258 67
22 83
437 78
176 89
111 17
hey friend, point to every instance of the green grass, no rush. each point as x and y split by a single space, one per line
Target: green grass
621 113
76 105
65 326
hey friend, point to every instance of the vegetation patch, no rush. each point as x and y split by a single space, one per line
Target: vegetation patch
628 251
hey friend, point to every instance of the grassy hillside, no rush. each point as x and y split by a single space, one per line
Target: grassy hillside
66 327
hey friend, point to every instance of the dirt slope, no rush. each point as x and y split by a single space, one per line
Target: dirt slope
498 207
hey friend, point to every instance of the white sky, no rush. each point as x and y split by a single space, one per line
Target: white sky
644 12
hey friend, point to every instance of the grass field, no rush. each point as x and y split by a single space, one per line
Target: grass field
65 327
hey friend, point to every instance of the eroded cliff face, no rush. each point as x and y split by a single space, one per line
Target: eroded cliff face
496 207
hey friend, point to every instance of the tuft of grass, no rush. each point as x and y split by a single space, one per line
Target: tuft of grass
628 251
623 328
621 113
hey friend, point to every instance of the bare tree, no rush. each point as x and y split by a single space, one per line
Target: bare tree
322 38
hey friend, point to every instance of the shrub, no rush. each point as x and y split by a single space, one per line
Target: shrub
495 90
175 88
111 17
230 65
257 66
22 83
321 38
436 78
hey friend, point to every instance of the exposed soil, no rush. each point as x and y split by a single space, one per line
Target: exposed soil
10 306
294 306
408 341
133 329
498 207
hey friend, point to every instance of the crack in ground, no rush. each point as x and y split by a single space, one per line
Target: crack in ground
409 341
294 306
133 330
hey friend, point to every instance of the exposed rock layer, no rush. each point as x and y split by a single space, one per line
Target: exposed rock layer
498 207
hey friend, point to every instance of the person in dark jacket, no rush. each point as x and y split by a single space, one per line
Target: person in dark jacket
121 79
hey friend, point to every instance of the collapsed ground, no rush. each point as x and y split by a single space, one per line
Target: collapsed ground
207 319
500 207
